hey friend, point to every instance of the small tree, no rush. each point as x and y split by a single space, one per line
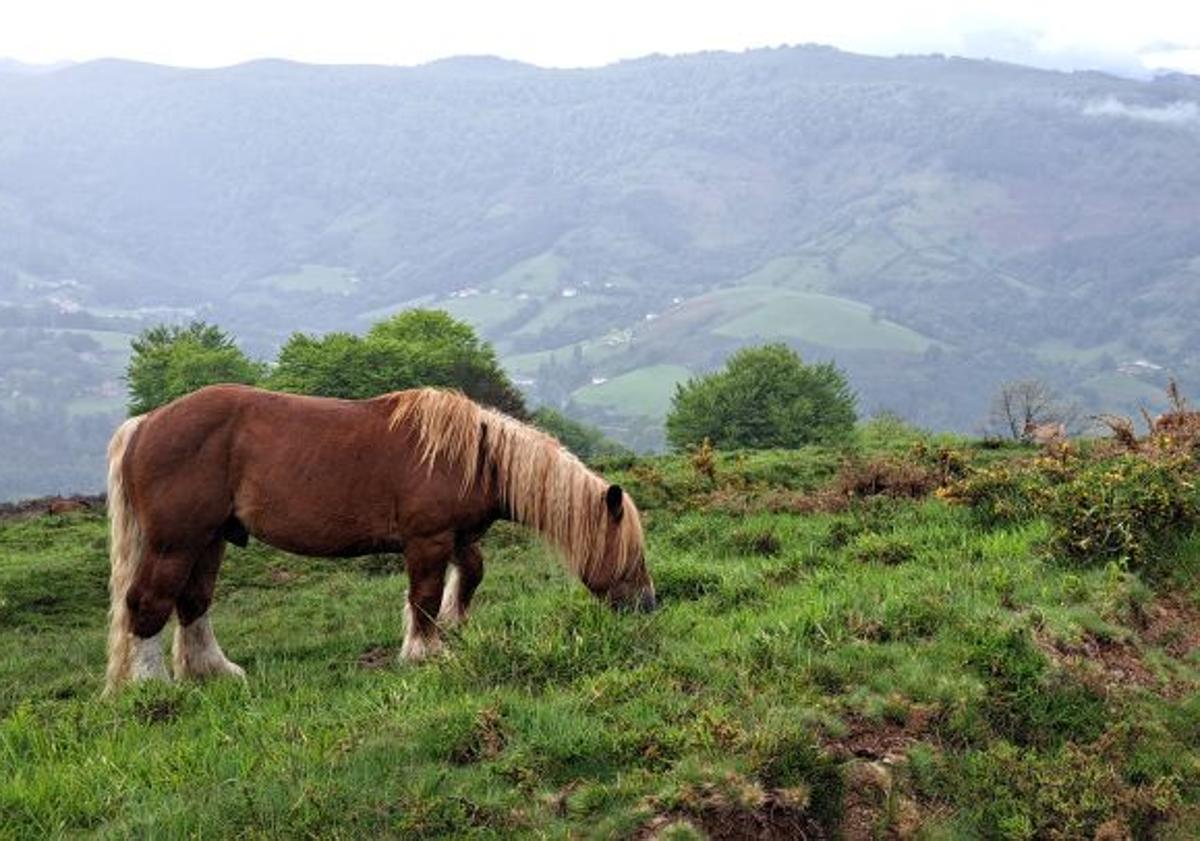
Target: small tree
1021 405
414 348
765 397
171 361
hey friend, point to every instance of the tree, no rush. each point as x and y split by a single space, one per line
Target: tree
1022 405
414 348
765 397
170 361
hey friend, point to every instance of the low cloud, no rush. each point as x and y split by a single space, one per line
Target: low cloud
1173 113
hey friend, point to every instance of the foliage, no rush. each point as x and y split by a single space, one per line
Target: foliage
171 361
582 439
1126 509
1001 493
414 348
764 397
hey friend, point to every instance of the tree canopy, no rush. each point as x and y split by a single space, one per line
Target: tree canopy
764 397
414 348
170 361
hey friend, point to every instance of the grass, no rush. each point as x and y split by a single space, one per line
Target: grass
822 320
892 663
482 312
332 280
642 391
1125 390
537 276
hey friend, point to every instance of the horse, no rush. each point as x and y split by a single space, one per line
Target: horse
424 472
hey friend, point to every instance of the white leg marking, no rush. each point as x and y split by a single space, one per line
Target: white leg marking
417 647
451 613
197 653
147 661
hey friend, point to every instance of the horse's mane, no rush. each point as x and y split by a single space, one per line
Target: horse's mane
538 480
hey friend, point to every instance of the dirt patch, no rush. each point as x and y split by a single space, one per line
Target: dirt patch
1173 624
50 505
1103 664
887 739
874 807
279 575
778 814
376 657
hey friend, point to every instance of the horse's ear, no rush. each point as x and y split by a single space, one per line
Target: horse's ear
614 498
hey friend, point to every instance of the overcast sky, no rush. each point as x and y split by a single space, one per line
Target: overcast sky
1130 38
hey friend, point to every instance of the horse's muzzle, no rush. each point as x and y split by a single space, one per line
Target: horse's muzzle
647 603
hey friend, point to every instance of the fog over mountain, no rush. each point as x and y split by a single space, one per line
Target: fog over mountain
934 225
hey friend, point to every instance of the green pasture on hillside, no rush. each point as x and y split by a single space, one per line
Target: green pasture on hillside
821 320
642 391
894 668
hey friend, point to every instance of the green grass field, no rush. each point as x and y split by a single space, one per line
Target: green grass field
893 670
643 391
534 276
483 312
332 280
821 320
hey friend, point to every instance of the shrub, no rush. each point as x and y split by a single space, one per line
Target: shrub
1126 509
884 476
765 397
171 361
1001 494
414 348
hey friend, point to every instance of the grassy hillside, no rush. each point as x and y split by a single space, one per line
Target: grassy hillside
827 659
937 225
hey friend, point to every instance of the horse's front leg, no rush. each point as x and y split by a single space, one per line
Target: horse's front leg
463 577
425 559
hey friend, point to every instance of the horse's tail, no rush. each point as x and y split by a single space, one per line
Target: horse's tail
125 556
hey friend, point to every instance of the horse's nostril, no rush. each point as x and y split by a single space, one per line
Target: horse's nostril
648 603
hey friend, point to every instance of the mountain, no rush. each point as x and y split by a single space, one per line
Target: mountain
936 225
9 65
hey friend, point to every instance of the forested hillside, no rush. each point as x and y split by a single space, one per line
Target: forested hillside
935 225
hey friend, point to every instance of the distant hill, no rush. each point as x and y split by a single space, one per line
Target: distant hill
936 225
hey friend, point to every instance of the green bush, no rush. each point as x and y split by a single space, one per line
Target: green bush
1001 494
765 397
414 348
1126 510
171 361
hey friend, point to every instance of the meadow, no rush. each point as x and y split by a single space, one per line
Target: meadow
858 643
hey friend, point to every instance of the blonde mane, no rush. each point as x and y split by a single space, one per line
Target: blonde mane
539 481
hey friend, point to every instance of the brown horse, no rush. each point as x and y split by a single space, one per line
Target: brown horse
424 472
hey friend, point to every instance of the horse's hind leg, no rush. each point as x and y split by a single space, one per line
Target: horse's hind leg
426 560
197 653
149 603
462 578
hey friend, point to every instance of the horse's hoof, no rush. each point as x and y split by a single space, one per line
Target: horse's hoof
416 649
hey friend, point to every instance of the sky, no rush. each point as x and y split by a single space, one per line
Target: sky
1126 38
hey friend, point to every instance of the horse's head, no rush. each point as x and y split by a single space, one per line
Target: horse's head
620 577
